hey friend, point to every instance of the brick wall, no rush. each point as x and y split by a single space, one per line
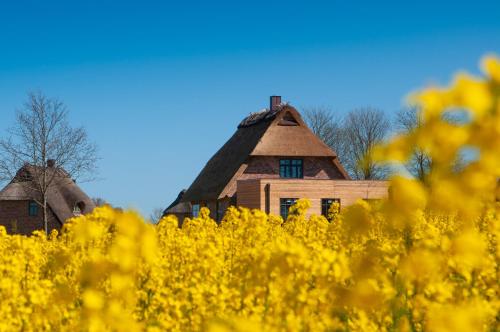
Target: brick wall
250 194
269 168
315 168
14 216
346 190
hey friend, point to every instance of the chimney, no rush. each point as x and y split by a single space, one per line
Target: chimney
51 163
274 102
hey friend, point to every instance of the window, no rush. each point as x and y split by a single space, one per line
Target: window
326 203
33 209
78 209
288 120
285 204
196 210
292 168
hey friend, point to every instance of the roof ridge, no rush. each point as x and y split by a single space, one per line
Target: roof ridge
262 115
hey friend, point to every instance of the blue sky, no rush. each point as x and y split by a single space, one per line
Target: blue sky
160 86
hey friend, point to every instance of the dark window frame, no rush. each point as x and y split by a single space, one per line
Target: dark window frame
285 204
33 209
292 168
326 203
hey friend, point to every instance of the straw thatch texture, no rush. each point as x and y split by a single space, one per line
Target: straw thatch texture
178 206
63 195
280 132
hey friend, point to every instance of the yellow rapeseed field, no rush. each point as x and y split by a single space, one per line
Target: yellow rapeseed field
424 260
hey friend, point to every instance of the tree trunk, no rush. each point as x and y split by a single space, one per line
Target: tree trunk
45 218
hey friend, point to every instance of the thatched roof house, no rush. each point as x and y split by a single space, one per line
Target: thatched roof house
20 214
278 131
273 144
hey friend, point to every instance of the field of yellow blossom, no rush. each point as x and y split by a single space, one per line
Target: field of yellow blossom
424 260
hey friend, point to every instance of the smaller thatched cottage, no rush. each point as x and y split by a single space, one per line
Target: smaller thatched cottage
21 214
272 160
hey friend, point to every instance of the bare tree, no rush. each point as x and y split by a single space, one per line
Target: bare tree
363 128
408 120
420 163
327 126
43 146
98 201
156 215
352 138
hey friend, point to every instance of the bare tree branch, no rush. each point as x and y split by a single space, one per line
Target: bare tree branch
98 201
420 163
328 127
41 134
408 120
352 138
364 128
156 215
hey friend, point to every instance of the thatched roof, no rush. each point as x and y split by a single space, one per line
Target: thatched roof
63 195
278 132
178 206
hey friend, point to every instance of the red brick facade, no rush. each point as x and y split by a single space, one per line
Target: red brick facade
263 167
269 168
14 216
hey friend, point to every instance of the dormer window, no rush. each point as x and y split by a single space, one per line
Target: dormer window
292 168
288 120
